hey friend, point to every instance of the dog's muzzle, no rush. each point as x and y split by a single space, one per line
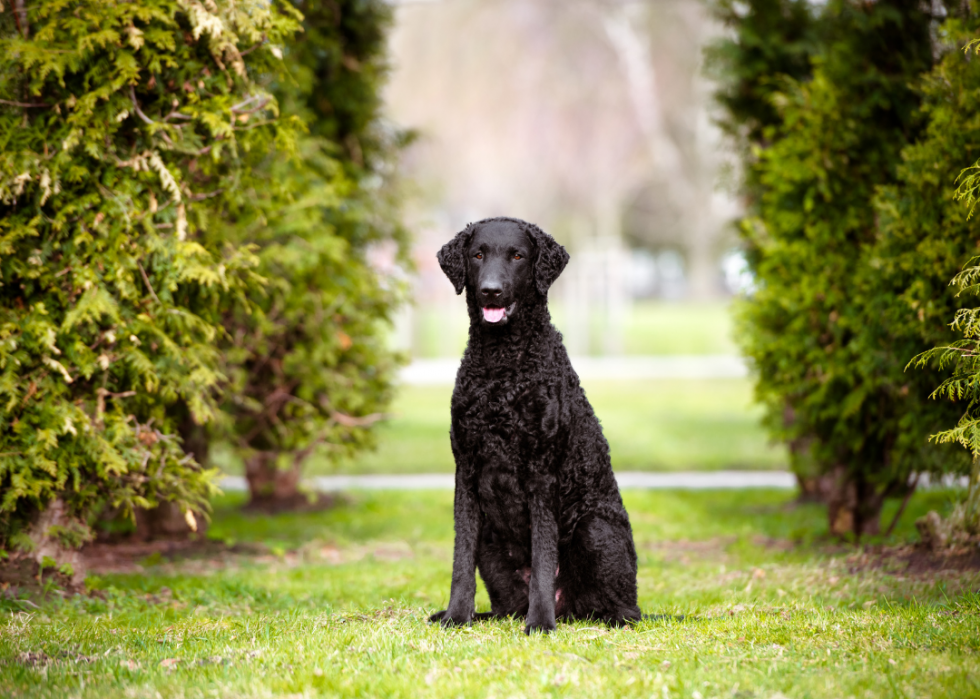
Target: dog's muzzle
497 315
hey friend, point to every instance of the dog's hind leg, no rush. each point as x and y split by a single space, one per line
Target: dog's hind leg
505 579
597 573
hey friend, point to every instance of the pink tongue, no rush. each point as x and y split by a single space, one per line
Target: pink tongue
493 315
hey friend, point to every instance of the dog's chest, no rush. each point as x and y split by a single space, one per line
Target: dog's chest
496 431
501 491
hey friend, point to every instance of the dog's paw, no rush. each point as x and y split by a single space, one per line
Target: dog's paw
542 625
437 617
447 619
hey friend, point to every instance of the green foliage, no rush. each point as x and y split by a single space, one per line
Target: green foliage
923 234
957 81
814 226
309 363
769 41
124 129
963 357
969 179
852 234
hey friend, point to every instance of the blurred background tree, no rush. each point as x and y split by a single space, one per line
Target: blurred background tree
309 361
122 126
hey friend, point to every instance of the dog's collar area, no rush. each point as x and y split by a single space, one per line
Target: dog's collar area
498 315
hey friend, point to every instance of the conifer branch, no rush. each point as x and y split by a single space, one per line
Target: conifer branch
136 106
146 279
237 109
25 104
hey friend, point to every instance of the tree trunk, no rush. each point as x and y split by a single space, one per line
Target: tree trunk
47 546
270 487
166 520
195 440
853 504
814 488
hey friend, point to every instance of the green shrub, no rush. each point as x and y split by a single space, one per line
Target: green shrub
309 363
768 41
851 236
125 129
954 131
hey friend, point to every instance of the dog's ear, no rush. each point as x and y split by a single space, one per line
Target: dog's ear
452 258
551 259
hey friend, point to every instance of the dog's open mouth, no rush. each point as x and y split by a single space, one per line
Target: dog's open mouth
495 315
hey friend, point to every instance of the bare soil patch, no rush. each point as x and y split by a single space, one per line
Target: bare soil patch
133 556
916 559
21 575
298 503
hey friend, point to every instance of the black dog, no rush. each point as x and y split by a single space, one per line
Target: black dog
537 508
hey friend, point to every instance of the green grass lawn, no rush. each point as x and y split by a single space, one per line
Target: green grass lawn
662 425
669 425
679 327
650 327
337 606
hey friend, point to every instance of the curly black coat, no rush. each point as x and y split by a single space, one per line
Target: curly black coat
537 508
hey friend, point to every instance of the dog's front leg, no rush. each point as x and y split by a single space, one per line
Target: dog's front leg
544 564
466 520
462 594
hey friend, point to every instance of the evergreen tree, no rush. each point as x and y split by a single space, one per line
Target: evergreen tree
952 97
769 46
124 125
768 41
827 361
309 361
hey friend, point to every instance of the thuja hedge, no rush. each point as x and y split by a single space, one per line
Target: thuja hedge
125 128
309 362
853 233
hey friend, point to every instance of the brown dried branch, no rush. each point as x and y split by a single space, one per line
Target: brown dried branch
351 421
24 104
136 106
254 46
177 115
147 280
20 18
901 508
206 195
237 109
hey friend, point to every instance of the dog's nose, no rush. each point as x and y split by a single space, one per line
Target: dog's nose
492 291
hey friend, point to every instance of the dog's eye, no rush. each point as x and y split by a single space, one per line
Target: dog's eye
479 255
518 256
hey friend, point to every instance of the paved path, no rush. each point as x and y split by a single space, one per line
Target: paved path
723 480
434 372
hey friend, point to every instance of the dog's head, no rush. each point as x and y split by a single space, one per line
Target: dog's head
504 262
